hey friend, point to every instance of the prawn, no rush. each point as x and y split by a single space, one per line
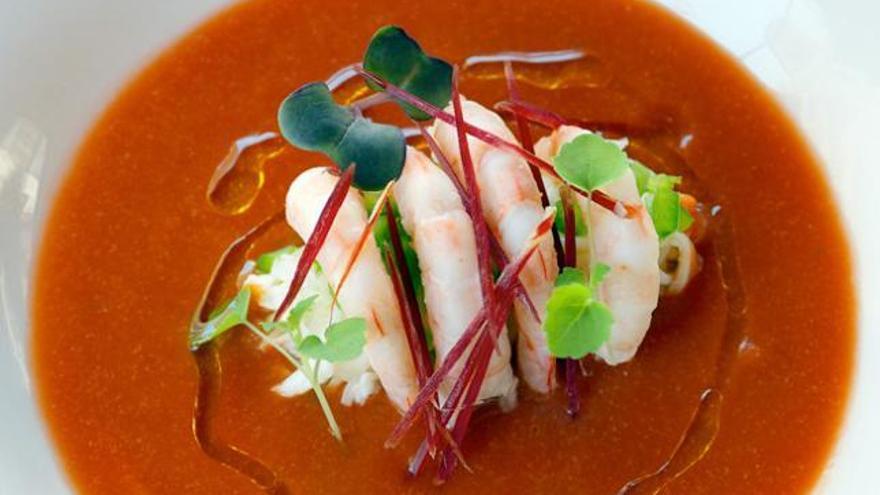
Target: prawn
629 246
511 203
368 291
433 214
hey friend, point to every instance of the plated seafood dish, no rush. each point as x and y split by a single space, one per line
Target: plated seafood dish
575 253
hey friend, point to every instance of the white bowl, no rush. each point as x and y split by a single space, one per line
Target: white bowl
61 61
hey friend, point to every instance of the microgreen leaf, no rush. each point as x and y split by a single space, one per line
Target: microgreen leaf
311 120
233 314
300 309
590 161
343 341
642 174
570 275
266 260
397 58
580 228
664 208
291 324
577 323
662 200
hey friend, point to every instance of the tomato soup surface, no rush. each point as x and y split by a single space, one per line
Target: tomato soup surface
132 241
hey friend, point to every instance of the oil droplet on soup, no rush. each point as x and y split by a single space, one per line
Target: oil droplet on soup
240 176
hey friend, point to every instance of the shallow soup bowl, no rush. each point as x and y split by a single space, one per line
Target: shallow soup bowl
62 61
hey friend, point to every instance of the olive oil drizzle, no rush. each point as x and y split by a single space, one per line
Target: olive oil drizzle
700 434
210 372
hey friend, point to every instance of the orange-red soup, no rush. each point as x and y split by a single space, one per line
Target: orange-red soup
132 241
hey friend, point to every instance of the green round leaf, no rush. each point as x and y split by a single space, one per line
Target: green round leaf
570 275
392 54
378 150
590 161
576 324
397 58
344 341
310 119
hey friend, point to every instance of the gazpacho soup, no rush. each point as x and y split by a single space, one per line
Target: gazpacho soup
384 247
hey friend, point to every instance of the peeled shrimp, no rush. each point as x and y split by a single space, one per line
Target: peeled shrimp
432 212
511 203
367 292
629 246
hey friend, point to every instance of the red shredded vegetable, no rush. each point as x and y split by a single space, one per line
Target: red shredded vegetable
407 299
413 328
481 230
504 283
571 365
366 233
316 239
598 197
525 137
499 256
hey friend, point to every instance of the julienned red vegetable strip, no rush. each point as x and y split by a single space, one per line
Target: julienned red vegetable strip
525 135
459 426
571 365
490 320
413 328
481 230
474 373
522 110
316 239
417 345
499 256
427 392
416 336
470 379
525 138
551 120
366 233
418 459
598 197
505 283
409 318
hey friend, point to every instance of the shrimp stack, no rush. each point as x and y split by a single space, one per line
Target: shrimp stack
444 240
511 203
432 212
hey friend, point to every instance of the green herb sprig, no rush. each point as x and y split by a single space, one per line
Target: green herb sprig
311 120
662 200
590 161
343 341
397 58
229 316
577 323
